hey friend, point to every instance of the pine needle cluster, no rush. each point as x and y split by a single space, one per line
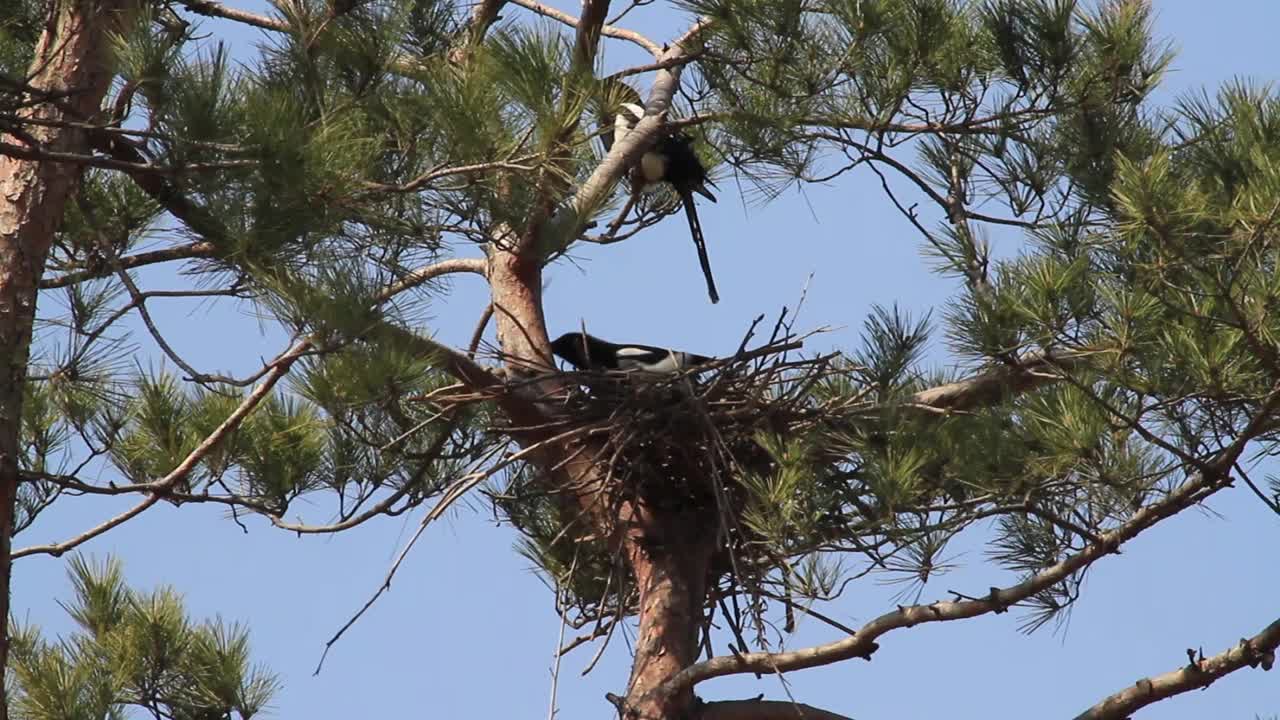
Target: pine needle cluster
133 652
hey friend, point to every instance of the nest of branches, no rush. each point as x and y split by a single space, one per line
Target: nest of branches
675 447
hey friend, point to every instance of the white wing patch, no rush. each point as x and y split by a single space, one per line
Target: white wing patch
632 358
625 121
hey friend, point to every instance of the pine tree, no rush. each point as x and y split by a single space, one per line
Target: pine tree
131 651
1127 356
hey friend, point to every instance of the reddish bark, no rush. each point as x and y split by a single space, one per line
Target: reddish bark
669 558
70 64
515 279
669 551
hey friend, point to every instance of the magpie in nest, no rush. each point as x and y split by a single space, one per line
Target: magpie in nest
672 160
586 352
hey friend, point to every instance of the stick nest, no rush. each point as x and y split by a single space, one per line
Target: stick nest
674 446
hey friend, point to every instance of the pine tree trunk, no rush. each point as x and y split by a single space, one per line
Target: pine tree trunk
515 277
669 550
671 572
70 65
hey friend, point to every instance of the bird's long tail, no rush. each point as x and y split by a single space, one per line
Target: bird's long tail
695 229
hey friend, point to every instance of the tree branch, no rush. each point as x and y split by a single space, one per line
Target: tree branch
200 249
862 644
159 488
199 219
40 155
627 151
510 163
1259 650
606 30
992 386
428 272
590 24
213 9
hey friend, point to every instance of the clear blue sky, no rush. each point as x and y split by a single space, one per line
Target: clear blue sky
468 630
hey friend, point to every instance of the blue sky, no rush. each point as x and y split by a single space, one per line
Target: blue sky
468 630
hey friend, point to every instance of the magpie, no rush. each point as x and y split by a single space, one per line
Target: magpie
672 160
586 352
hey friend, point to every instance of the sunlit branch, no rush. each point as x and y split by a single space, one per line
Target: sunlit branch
1198 673
435 270
200 249
213 9
606 30
992 386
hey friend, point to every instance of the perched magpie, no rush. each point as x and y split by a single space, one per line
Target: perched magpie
673 160
591 353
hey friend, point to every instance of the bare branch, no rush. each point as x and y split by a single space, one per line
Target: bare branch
457 489
446 171
428 272
1257 651
663 65
213 9
590 23
606 30
201 249
992 386
139 303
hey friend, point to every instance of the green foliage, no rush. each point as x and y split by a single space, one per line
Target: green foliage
19 29
110 217
363 144
277 453
134 651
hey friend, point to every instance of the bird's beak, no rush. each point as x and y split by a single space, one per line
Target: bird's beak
701 189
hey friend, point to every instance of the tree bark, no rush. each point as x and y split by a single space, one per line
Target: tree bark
70 65
515 280
670 555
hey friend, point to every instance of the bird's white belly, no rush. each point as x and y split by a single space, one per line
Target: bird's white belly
653 166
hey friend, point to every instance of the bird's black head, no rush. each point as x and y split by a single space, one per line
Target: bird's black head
573 348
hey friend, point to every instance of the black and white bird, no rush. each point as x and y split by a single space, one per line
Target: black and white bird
586 352
672 160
